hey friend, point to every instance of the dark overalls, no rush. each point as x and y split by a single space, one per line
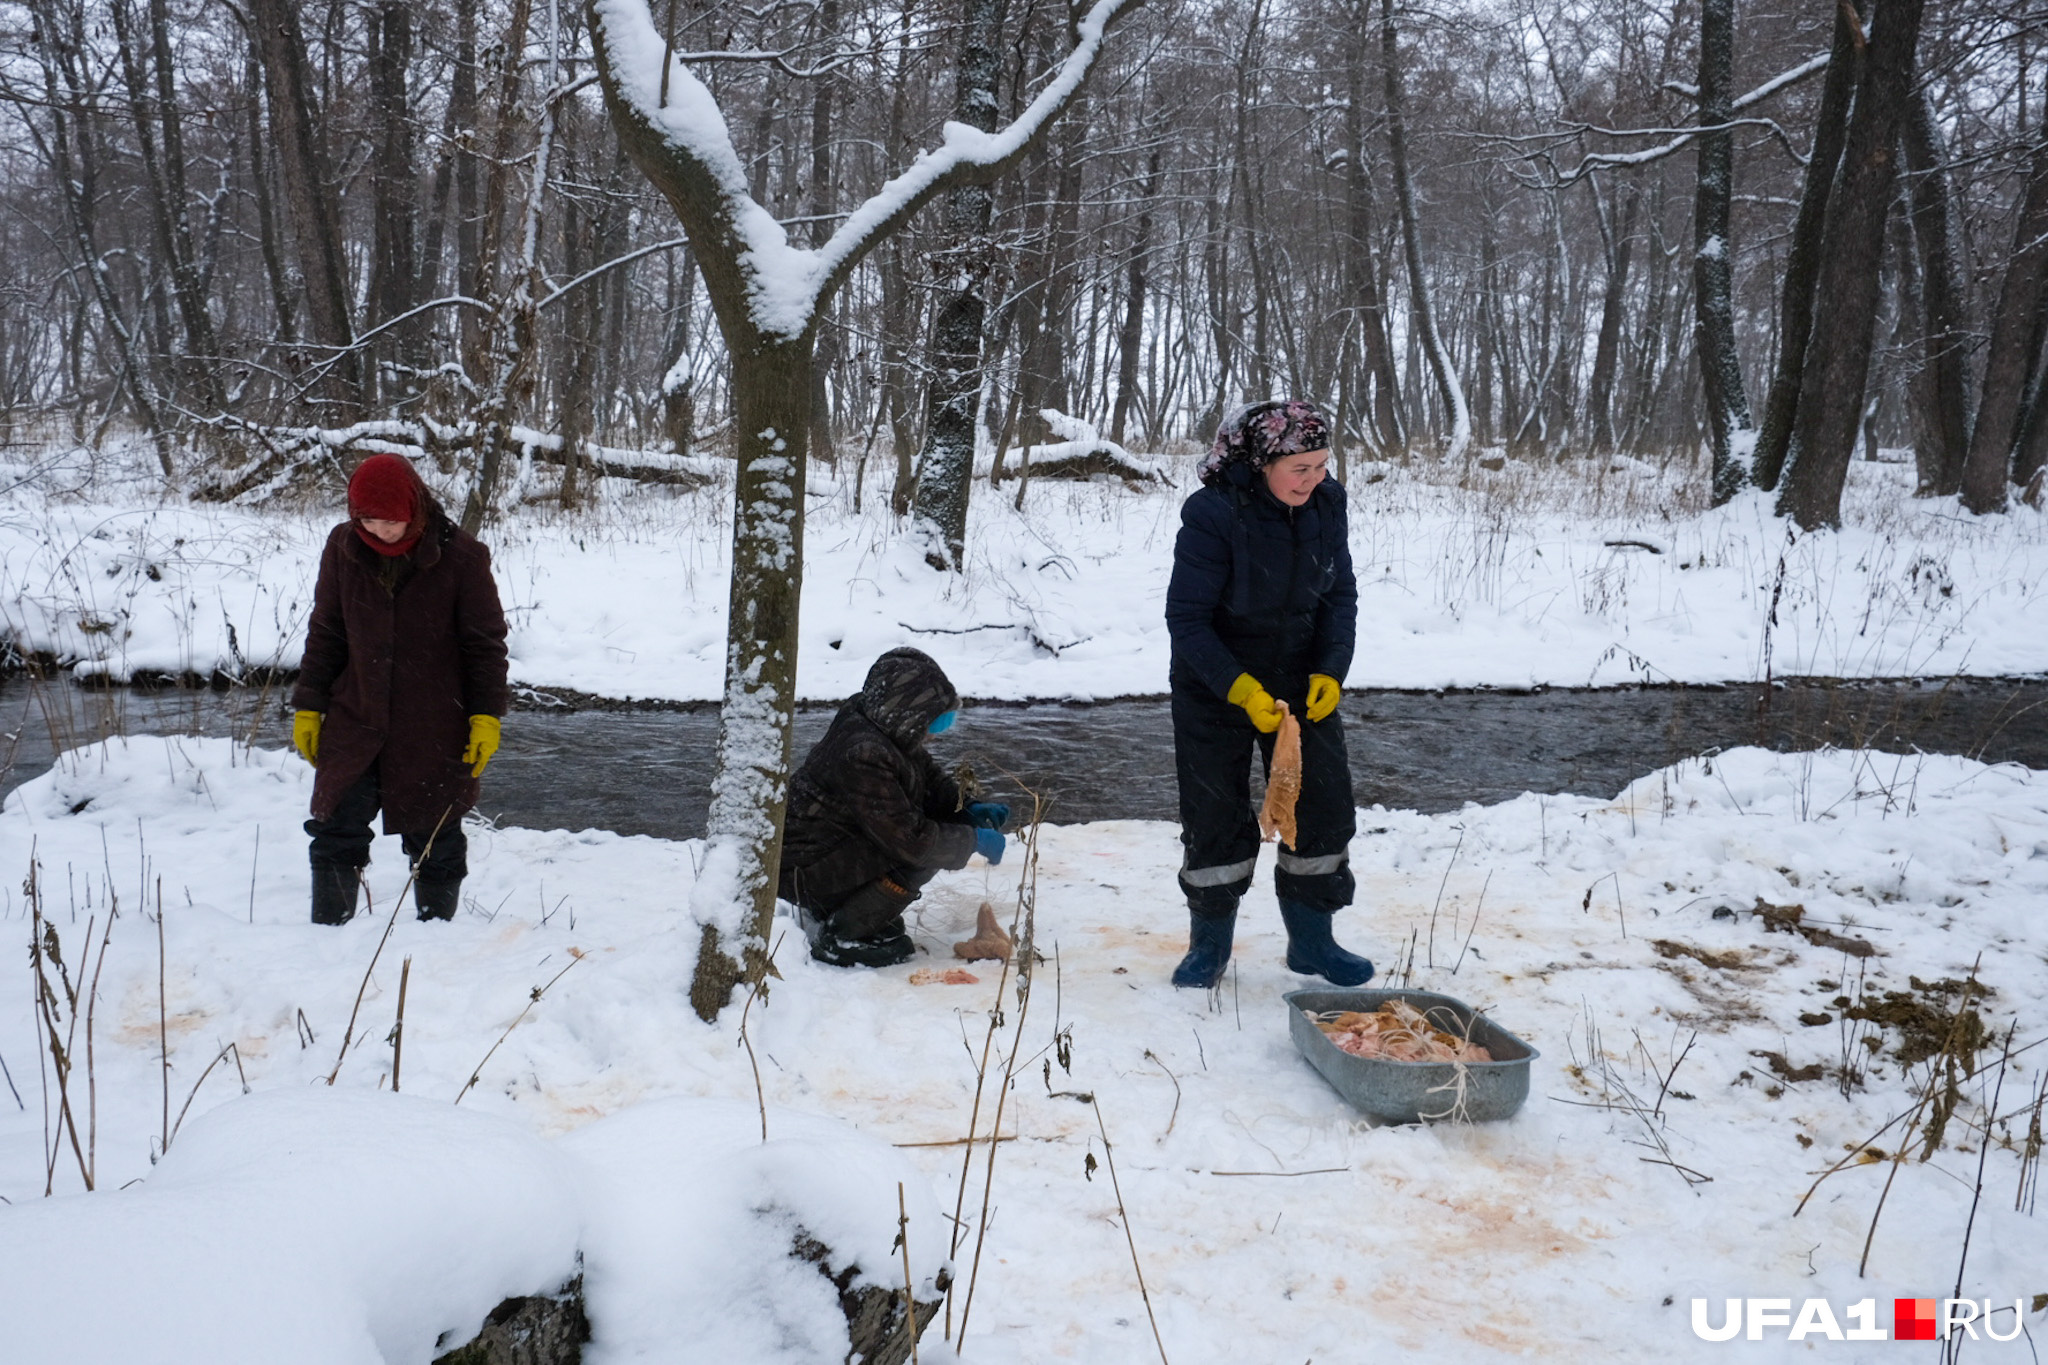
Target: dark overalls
1261 588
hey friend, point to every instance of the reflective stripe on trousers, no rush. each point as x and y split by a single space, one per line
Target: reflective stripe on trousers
1222 875
1323 866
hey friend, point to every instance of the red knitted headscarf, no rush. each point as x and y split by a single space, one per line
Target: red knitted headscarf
385 488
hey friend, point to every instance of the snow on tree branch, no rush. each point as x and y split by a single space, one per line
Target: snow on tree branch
784 283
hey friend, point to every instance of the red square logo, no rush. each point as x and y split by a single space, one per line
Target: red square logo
1912 1319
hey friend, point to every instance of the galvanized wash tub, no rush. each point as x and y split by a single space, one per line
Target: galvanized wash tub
1416 1092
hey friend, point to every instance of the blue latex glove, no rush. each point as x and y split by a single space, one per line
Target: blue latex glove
989 844
988 814
942 722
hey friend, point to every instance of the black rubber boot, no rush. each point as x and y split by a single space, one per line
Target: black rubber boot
888 946
334 893
1209 939
1312 950
437 900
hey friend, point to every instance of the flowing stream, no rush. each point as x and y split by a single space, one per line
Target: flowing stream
648 771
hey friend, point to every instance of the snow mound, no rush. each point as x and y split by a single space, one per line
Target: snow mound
318 1227
693 1216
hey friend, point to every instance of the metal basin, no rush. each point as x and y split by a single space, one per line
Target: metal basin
1416 1092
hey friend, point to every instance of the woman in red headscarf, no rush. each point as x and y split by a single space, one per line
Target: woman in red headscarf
400 691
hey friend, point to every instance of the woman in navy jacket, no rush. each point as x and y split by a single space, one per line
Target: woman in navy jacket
1263 609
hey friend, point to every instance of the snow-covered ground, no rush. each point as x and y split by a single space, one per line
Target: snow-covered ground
1588 574
1661 1156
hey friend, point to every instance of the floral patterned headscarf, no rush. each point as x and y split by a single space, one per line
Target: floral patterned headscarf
1256 435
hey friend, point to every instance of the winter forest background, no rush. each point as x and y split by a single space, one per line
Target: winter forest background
1674 351
228 223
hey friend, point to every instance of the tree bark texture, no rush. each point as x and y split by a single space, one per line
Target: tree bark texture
1939 388
1830 406
394 269
1607 350
2014 353
1363 250
308 193
1422 320
1130 336
953 393
1803 257
1713 253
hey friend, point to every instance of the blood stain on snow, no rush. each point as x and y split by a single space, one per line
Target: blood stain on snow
952 976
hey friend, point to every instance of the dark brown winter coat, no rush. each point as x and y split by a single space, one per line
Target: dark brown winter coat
399 670
868 799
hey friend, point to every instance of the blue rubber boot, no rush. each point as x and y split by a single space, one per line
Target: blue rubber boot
1313 951
1208 950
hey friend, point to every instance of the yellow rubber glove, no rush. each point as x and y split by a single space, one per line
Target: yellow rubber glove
483 742
1323 695
306 735
1257 703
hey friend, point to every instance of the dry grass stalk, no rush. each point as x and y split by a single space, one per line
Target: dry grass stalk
758 988
2030 1151
163 1031
412 877
1109 1159
218 1057
58 1013
398 1025
1026 923
909 1287
533 999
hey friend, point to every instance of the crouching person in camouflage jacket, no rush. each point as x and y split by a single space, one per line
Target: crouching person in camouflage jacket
872 816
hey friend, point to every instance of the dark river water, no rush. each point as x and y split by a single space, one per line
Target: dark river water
643 771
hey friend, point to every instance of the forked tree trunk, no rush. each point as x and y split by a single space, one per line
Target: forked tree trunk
771 419
1802 259
684 148
1845 315
1713 254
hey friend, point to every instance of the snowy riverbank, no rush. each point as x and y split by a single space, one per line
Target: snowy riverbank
1531 574
1661 1156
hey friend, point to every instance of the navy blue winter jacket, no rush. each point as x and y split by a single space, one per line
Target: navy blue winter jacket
1261 588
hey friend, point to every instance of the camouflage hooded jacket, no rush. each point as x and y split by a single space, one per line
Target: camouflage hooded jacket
868 799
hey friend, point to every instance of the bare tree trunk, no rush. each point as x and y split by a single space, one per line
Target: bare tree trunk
1802 259
1940 383
1131 335
946 470
60 49
1422 319
2015 345
1363 249
316 225
153 111
1713 254
281 292
1607 350
464 104
1845 315
394 268
826 354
